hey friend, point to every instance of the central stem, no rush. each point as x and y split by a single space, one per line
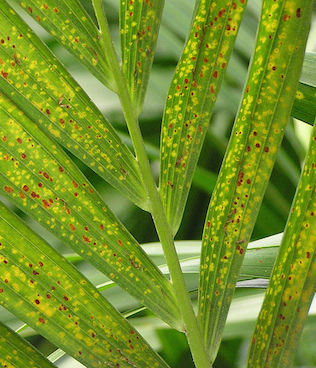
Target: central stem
163 229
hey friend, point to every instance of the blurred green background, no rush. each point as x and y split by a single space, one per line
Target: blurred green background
272 216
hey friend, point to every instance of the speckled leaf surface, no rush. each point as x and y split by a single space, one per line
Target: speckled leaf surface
37 176
41 86
18 353
191 98
69 23
304 107
139 25
44 290
250 156
293 282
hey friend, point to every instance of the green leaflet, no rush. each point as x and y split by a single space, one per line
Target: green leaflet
39 178
25 355
40 287
139 24
250 157
41 87
191 99
293 281
69 23
304 107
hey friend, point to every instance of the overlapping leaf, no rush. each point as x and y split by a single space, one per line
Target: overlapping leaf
191 98
249 159
69 23
139 24
24 353
293 281
304 107
39 178
40 287
39 84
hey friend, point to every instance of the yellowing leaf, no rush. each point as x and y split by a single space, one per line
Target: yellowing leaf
69 23
139 23
42 88
39 178
191 98
44 290
249 159
293 281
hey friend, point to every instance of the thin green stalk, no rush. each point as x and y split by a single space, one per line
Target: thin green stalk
164 232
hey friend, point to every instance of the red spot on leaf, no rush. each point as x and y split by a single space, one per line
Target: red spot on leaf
4 74
25 188
286 17
41 320
8 189
30 10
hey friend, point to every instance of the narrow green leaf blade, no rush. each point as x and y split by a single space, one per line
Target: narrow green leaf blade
304 107
18 353
41 87
44 290
69 23
293 281
249 159
191 98
37 176
139 25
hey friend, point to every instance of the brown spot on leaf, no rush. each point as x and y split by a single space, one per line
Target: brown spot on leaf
8 189
298 12
4 74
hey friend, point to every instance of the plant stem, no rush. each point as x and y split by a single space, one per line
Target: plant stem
163 229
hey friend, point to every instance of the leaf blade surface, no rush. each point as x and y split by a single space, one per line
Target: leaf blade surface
293 280
37 175
191 98
139 24
69 23
40 287
249 159
40 86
